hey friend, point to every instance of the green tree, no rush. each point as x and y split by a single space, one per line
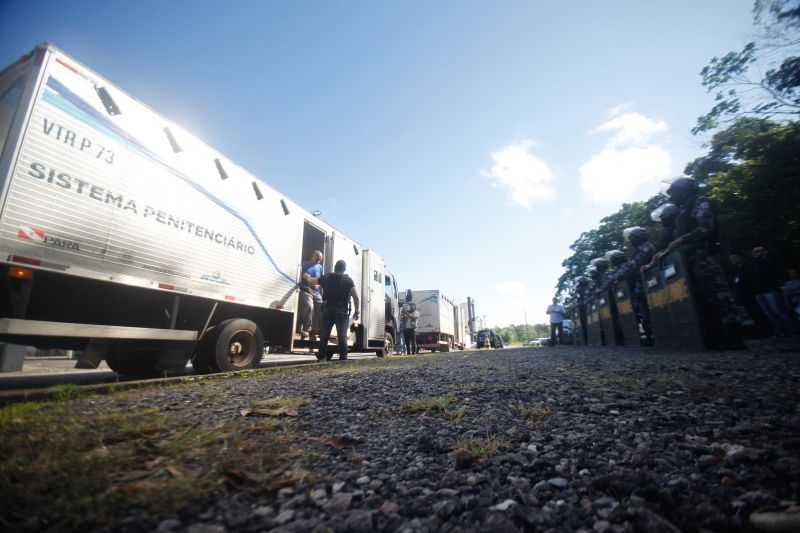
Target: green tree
519 333
608 236
752 172
776 51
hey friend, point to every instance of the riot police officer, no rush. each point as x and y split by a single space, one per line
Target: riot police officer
643 249
603 278
598 271
582 293
617 259
696 236
582 288
643 252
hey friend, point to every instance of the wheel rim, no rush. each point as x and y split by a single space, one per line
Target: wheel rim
240 347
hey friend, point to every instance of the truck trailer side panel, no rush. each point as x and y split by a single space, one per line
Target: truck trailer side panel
125 222
130 197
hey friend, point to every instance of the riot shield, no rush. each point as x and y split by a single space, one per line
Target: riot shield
607 309
673 313
578 315
594 328
626 312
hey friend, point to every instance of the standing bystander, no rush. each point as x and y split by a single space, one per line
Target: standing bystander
557 313
766 285
410 315
743 292
791 293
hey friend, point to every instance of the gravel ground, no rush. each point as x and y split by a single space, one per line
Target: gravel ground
536 439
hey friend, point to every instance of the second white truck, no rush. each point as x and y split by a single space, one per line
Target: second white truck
438 324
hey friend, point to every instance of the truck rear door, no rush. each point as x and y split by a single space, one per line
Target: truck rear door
373 308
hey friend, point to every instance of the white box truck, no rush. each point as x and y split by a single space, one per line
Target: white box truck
436 326
126 237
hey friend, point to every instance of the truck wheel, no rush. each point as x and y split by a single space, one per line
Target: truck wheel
134 358
235 344
388 345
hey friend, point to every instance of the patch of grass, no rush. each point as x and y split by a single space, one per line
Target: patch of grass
67 391
257 425
74 466
211 391
437 403
482 447
295 402
457 415
534 415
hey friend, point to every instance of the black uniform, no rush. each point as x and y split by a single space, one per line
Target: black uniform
335 311
642 255
697 229
583 294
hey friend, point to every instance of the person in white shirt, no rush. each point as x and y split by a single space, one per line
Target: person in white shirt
557 313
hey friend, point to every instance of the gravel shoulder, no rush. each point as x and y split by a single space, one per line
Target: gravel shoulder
532 439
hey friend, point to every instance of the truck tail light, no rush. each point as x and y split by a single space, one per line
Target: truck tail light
20 273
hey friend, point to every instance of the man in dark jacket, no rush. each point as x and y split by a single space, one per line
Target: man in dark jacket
744 293
766 285
337 289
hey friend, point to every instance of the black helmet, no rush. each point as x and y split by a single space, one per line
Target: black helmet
682 189
664 213
636 234
600 264
616 257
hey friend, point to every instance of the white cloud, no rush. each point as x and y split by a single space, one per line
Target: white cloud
613 175
634 156
526 177
633 128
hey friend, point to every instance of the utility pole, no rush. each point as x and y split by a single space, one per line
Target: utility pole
527 331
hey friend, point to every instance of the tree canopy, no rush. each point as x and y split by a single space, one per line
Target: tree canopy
515 334
776 51
751 172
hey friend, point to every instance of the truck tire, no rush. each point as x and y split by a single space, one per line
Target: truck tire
388 345
134 358
234 344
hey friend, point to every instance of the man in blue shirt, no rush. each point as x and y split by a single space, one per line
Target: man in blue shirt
310 297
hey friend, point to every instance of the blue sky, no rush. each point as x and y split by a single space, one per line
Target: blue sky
468 142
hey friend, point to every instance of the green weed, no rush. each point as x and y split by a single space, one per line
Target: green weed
482 447
438 403
534 415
